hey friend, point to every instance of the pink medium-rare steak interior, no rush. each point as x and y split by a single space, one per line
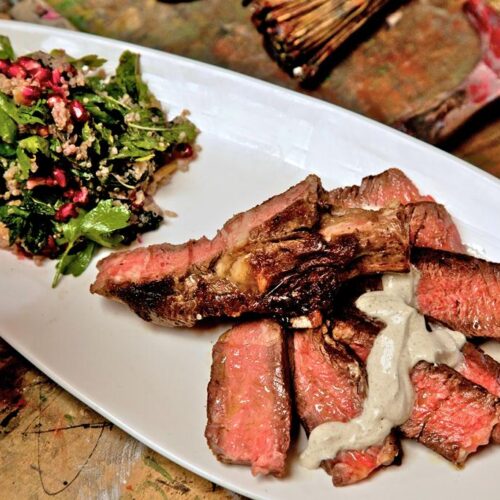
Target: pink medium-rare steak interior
439 390
291 264
451 415
330 385
352 328
460 291
249 409
391 187
154 262
480 368
430 224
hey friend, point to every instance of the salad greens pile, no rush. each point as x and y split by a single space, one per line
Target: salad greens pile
80 155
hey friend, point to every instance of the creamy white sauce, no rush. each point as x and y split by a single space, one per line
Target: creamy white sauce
492 348
397 349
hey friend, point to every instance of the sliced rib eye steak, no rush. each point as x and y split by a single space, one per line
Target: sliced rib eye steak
330 385
285 257
430 224
451 415
460 291
249 410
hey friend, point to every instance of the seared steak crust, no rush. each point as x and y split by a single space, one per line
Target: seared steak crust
289 260
249 409
330 385
460 291
430 224
391 187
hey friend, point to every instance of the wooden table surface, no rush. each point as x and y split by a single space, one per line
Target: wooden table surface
53 445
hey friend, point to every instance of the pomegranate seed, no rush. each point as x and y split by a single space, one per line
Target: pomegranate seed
53 100
16 71
65 212
26 95
60 177
42 75
50 247
31 93
69 193
4 66
183 151
56 76
78 111
29 64
82 196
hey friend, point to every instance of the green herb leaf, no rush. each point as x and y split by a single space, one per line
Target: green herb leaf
36 206
22 115
78 262
24 163
8 128
92 61
182 131
6 50
128 77
104 219
35 144
7 150
97 226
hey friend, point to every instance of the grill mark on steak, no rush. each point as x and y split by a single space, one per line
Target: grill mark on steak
330 385
291 264
442 425
430 223
248 408
460 291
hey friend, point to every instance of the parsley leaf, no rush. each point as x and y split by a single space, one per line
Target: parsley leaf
22 115
8 128
96 226
6 50
35 144
24 163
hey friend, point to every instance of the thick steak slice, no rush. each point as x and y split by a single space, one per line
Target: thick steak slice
278 263
447 393
430 224
297 207
460 291
382 236
481 369
391 187
451 415
330 385
249 410
354 330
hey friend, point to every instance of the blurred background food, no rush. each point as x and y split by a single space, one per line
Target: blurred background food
397 66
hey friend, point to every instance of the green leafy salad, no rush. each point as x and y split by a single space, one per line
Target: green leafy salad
81 154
